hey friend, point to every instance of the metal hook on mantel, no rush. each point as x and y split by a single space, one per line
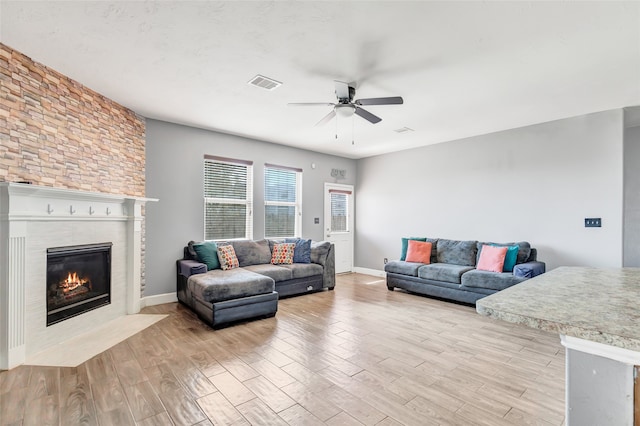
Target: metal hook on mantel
91 210
49 209
71 209
108 211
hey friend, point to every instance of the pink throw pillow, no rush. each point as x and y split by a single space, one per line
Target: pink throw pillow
491 258
418 251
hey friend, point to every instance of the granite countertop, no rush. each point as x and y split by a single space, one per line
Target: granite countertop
600 305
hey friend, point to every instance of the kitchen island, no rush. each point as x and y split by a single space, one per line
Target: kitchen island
596 312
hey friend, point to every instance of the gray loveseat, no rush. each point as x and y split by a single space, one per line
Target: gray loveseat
452 273
220 297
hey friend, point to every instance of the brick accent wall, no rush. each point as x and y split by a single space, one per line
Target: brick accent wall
56 132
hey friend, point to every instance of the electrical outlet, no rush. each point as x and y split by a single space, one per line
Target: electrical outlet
385 260
592 222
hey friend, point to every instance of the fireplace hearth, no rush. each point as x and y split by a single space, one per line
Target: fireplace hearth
78 280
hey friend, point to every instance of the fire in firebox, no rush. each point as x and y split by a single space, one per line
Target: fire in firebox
70 288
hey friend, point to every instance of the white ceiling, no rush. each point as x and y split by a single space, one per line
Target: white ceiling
463 68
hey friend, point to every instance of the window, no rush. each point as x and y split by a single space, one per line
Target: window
228 198
339 210
282 201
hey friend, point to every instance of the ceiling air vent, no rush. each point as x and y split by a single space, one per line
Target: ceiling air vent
403 130
264 82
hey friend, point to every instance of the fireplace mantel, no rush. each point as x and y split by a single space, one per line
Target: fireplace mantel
34 217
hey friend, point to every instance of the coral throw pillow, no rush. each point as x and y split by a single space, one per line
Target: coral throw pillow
227 257
282 254
491 258
418 251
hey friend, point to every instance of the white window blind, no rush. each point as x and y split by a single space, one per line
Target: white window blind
339 210
228 198
282 201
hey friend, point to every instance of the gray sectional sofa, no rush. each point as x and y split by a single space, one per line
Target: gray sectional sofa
452 275
252 290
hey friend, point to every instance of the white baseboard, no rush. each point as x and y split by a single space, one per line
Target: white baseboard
367 271
158 299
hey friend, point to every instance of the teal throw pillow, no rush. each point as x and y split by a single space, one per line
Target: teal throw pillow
510 258
208 254
405 245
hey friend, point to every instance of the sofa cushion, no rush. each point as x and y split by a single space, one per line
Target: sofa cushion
227 257
319 251
490 280
251 252
457 252
402 267
418 251
277 272
443 272
303 270
190 252
302 252
218 285
207 253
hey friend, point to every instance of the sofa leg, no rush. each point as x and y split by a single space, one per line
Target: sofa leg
390 288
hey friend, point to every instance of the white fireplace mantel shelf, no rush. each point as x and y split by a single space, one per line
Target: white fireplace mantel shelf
34 202
34 217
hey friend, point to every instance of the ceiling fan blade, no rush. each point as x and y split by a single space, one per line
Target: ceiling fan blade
310 104
393 100
327 118
342 89
367 115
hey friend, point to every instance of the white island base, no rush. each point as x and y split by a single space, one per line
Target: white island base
599 383
596 312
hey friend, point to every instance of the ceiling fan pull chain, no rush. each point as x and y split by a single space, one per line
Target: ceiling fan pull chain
336 128
353 131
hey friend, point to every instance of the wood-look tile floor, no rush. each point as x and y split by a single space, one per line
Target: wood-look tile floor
357 355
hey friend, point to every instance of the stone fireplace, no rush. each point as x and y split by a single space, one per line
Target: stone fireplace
40 227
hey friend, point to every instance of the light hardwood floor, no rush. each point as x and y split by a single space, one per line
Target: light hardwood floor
357 355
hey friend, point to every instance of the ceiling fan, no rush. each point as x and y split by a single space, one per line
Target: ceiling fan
346 106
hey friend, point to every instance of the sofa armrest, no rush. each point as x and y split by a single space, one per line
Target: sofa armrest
186 268
529 269
323 253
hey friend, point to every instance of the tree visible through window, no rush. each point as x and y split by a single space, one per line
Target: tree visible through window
282 201
228 198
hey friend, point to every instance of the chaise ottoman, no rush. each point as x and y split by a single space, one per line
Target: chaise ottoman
224 297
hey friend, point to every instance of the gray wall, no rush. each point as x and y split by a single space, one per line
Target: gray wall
535 183
632 197
174 174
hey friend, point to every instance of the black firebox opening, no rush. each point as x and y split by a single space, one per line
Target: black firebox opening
78 280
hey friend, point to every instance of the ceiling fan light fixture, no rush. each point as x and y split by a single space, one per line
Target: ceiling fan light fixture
345 110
